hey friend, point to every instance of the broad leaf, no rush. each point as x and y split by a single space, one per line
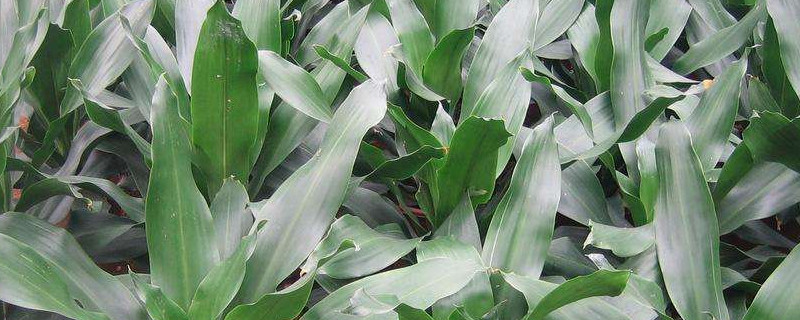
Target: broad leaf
773 301
224 99
769 136
529 204
107 52
54 247
722 43
510 32
177 214
711 122
303 207
687 235
294 85
189 18
469 165
261 20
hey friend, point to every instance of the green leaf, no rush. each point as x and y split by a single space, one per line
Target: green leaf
711 122
222 282
106 53
573 105
106 117
443 127
261 20
413 32
655 38
324 32
469 165
224 100
775 74
510 32
232 219
630 194
768 136
662 74
88 283
406 166
461 225
177 213
601 42
294 85
52 64
417 286
26 40
640 122
442 68
629 72
282 305
413 136
28 280
339 62
376 38
738 164
648 176
446 16
404 312
555 19
289 302
623 242
475 299
586 309
782 13
759 97
287 126
670 15
189 18
713 13
584 35
722 43
529 204
773 301
303 207
158 305
374 252
600 283
66 185
582 197
507 98
158 55
761 191
167 8
687 235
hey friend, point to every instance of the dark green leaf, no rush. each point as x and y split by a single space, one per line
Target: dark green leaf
469 165
177 214
224 100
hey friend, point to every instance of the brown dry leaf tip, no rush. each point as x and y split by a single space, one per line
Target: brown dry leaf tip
417 212
707 83
24 123
64 222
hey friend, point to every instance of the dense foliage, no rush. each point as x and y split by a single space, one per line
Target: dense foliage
400 159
